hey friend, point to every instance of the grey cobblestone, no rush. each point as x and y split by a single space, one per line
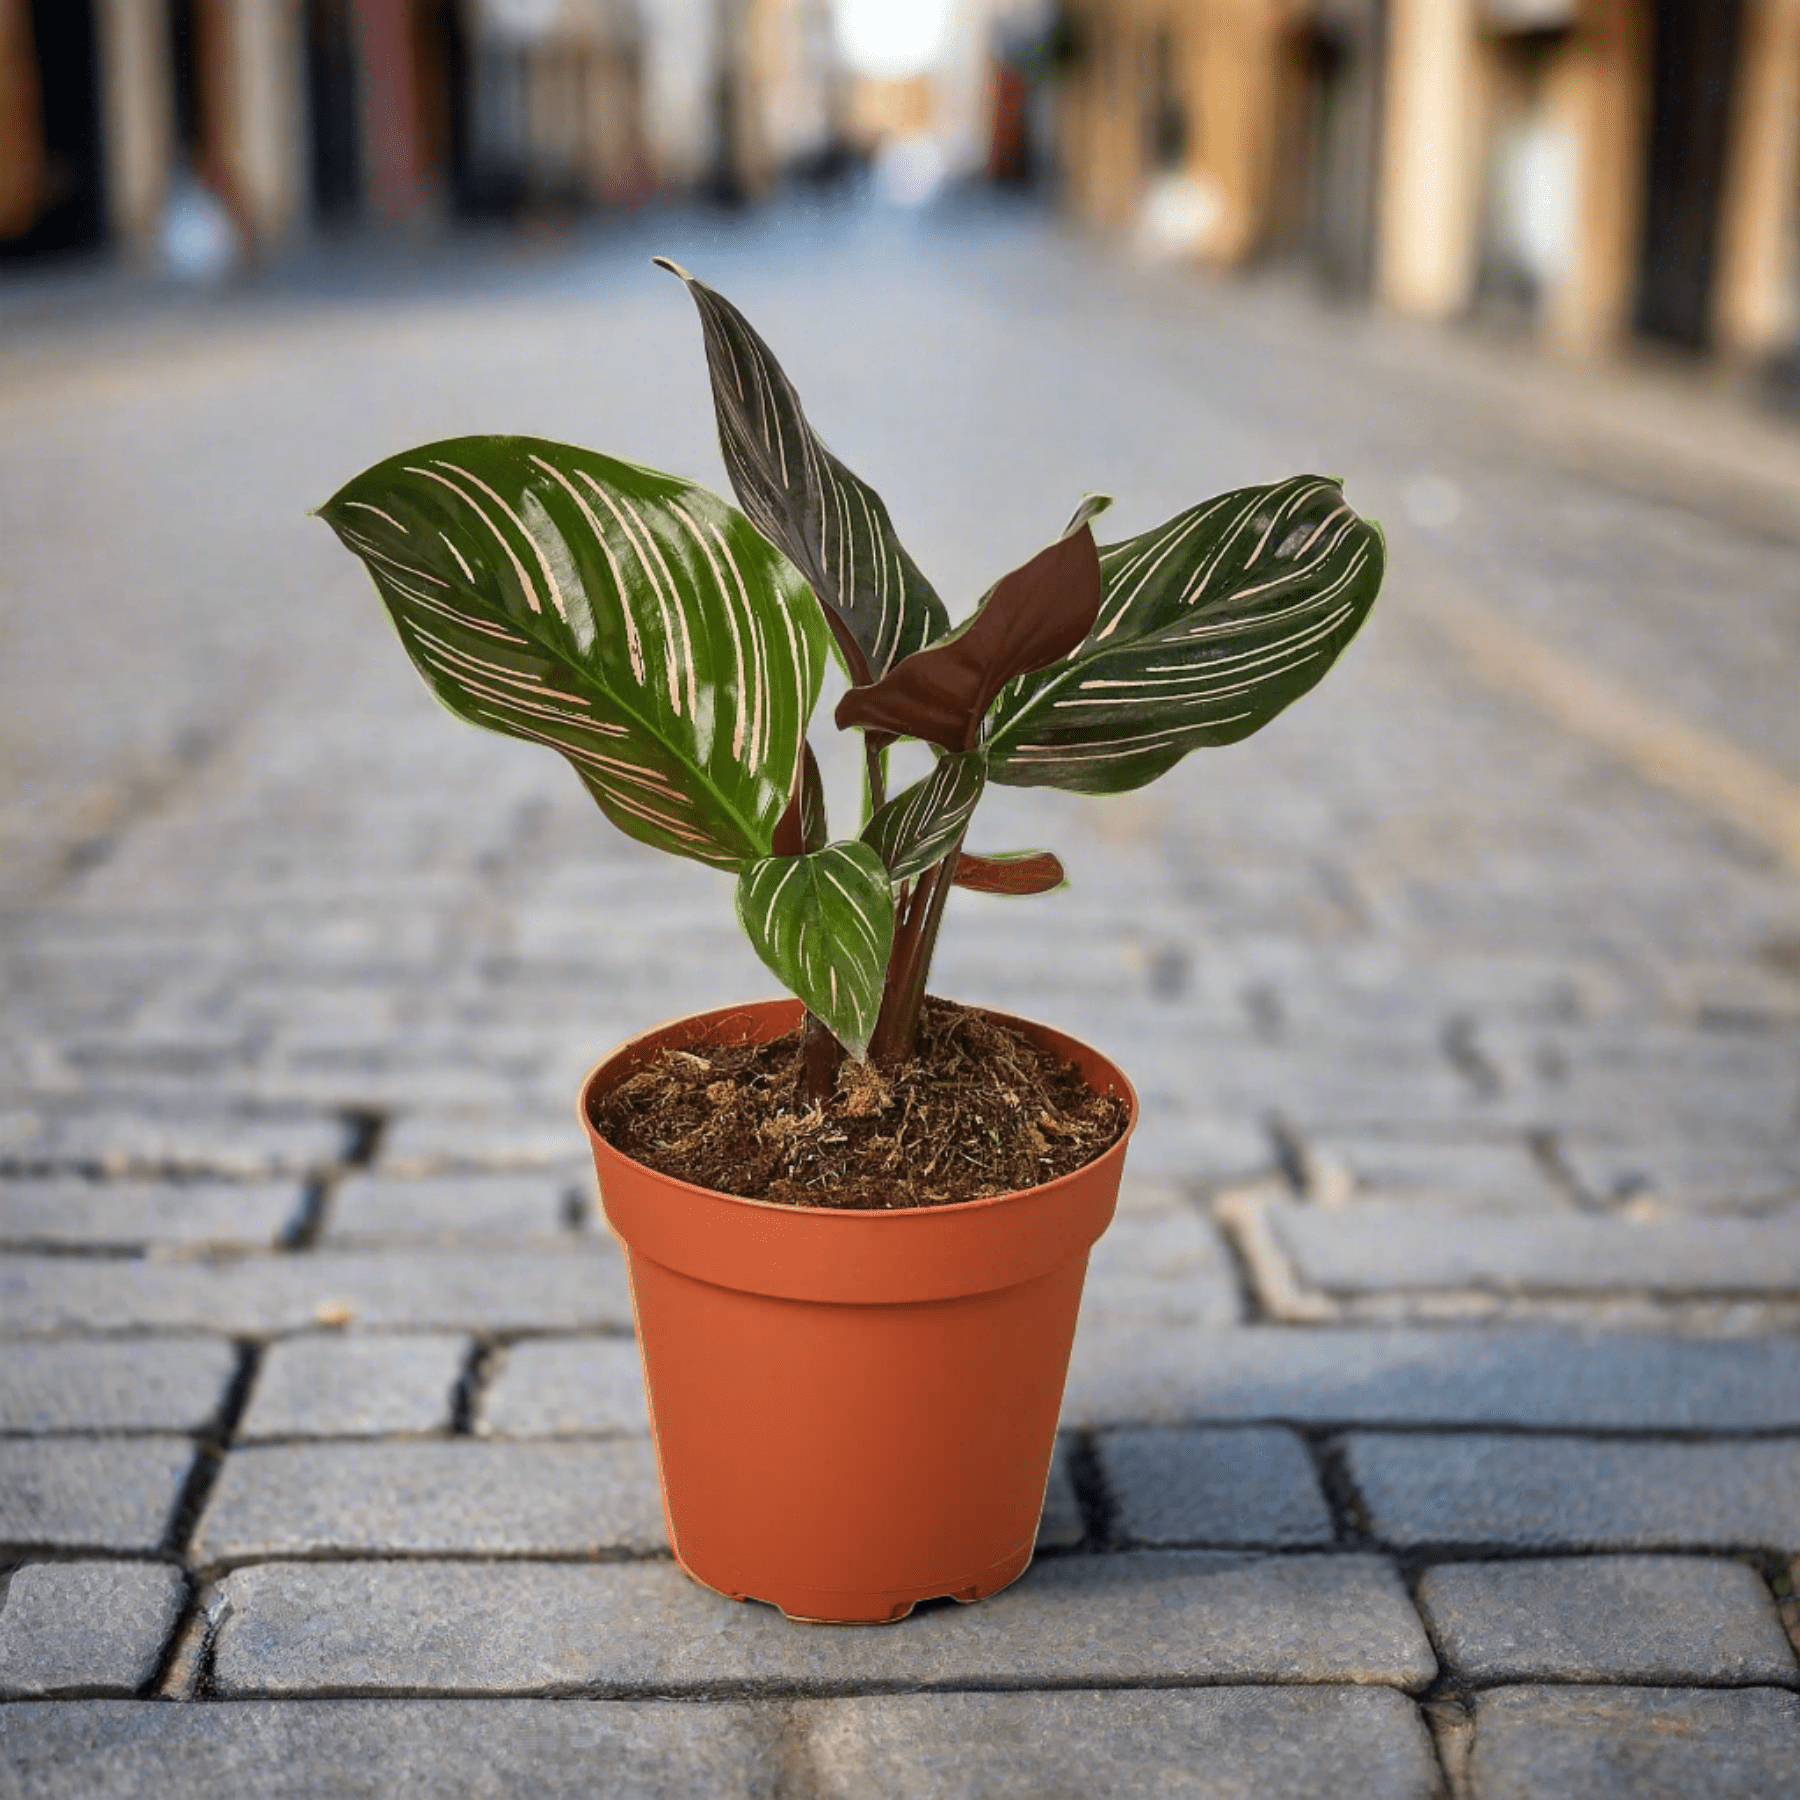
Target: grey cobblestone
126 1214
1607 1618
1573 1493
1379 1246
391 1750
130 1384
355 1385
1527 1376
1218 1489
1062 1526
1164 1267
115 1141
513 1208
425 1499
1173 1617
1635 1744
431 1143
86 1627
1218 1744
582 1287
84 1494
565 1387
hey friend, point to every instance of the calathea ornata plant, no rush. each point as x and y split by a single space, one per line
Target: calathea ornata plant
672 648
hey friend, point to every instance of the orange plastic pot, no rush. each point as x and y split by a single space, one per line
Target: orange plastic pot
853 1411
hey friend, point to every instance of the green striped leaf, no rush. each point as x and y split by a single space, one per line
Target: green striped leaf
824 923
922 825
632 621
833 526
1208 627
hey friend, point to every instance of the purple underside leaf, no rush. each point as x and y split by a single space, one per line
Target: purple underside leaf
802 826
1033 872
1034 615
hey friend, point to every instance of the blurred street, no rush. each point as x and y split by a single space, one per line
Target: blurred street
1464 1003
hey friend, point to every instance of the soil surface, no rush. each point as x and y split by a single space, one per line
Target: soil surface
978 1111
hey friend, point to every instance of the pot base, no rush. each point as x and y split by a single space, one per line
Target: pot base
823 1606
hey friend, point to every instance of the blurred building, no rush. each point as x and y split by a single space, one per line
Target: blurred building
284 115
1593 167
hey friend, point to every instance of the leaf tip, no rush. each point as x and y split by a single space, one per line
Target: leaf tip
673 267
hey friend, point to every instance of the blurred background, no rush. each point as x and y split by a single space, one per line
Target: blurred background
1593 173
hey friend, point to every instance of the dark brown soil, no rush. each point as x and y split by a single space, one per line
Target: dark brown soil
978 1111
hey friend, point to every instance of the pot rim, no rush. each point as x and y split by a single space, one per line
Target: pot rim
1126 1092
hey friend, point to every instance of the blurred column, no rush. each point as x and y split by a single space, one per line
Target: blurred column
678 89
22 155
139 121
266 145
1757 310
1606 83
1232 52
397 190
1431 161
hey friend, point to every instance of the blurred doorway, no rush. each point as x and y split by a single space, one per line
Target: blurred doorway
1693 75
334 112
53 113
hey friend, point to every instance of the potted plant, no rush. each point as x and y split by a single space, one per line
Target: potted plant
856 1222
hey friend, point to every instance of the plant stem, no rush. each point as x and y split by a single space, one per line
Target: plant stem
821 1055
903 998
877 777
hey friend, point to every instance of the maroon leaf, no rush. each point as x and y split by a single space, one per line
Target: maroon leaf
1035 615
802 827
1033 872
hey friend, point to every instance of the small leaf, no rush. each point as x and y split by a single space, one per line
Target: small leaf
824 923
1211 624
1089 509
1033 616
802 826
920 826
631 621
833 526
1020 872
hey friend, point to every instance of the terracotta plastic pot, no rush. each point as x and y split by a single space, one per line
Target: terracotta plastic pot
853 1411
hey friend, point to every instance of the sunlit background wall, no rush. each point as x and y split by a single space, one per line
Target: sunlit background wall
1597 173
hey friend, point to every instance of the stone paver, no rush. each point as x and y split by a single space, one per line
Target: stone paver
1487 1375
90 1494
429 1142
425 1499
86 1627
128 1214
1219 1489
1172 1617
391 1750
355 1385
509 1207
124 1384
114 1140
1219 1744
565 1387
1571 1493
1162 1267
1375 1247
579 1288
1635 1744
1062 1526
1607 1618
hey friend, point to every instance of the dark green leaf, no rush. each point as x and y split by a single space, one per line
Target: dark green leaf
1210 625
631 621
1031 617
833 526
824 923
921 826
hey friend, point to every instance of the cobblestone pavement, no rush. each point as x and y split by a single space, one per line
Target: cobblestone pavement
1434 1425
